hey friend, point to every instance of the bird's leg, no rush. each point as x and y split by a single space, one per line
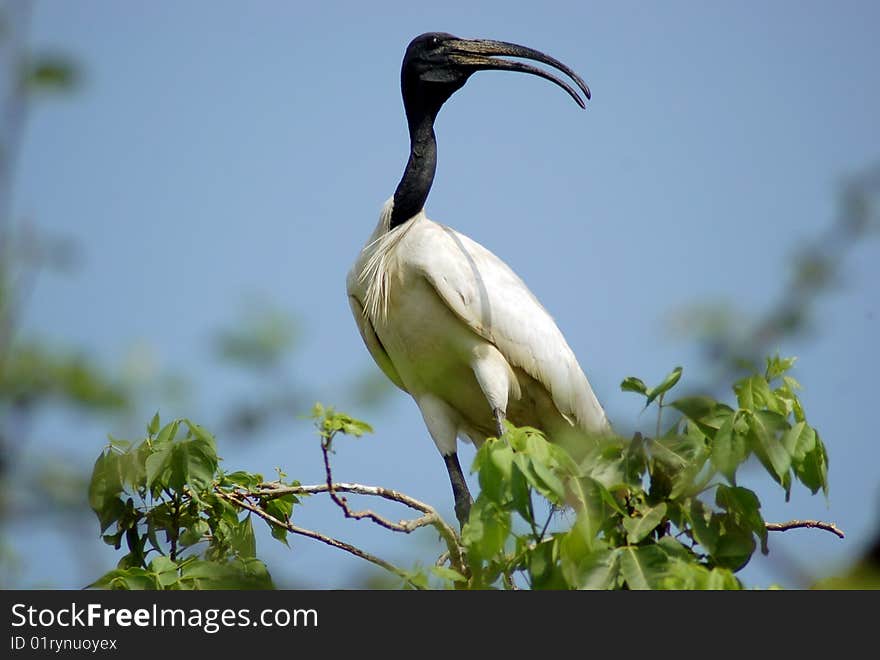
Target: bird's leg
460 490
499 420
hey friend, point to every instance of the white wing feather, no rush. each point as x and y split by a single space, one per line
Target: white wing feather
495 303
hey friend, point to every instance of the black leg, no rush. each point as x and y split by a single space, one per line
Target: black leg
459 489
499 421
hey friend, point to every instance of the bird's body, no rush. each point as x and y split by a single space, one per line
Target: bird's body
452 324
444 318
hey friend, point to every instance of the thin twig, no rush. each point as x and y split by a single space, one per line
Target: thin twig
795 524
405 526
431 517
302 531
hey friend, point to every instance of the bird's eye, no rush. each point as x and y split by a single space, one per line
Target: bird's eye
435 41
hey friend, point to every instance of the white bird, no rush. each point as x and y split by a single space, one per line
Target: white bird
445 319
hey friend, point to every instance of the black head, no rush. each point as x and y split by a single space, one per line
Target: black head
437 64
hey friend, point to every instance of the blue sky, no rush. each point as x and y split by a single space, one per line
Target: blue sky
215 151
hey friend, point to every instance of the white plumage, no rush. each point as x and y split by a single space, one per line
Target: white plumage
451 324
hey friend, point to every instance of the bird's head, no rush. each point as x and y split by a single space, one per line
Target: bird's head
437 64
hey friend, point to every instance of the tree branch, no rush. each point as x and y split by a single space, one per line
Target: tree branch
430 516
795 524
242 502
429 513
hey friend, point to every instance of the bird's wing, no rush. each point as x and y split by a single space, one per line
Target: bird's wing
495 303
368 334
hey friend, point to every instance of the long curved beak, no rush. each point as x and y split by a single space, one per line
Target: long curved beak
481 54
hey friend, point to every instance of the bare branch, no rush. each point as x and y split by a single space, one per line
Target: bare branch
302 531
795 524
430 518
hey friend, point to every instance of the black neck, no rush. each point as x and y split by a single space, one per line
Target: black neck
413 189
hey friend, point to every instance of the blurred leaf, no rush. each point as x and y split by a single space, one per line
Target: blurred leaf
446 573
236 574
243 540
667 384
643 567
633 384
639 528
165 570
777 366
49 73
259 340
600 570
153 426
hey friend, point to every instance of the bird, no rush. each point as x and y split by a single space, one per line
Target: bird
445 319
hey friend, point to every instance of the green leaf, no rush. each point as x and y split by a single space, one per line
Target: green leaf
680 458
639 528
799 441
777 366
194 463
50 73
543 569
486 530
168 432
600 570
729 450
329 422
615 462
721 578
158 465
633 384
243 479
243 540
449 574
643 567
165 570
685 574
494 464
236 574
734 548
280 508
521 496
813 470
195 532
129 579
704 526
667 384
153 426
105 486
695 407
763 428
745 509
753 393
574 546
551 485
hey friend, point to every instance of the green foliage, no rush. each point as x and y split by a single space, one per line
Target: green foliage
329 422
662 512
260 340
178 514
33 374
640 512
54 73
